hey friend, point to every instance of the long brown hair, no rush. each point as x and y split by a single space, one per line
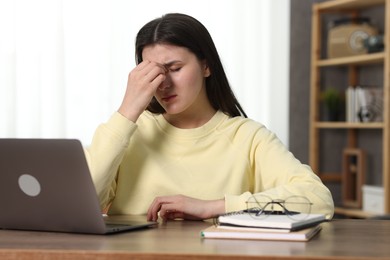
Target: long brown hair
185 31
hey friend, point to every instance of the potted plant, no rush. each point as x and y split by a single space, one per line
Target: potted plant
332 99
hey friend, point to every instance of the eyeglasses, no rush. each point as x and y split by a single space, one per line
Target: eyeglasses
294 207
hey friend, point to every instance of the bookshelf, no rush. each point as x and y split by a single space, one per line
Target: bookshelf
352 65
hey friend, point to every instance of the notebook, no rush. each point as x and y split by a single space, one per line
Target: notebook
260 234
45 185
242 218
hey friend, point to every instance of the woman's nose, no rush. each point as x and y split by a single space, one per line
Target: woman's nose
167 83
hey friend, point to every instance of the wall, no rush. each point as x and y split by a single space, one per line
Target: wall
300 35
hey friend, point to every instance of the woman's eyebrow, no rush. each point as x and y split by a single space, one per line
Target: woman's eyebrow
168 64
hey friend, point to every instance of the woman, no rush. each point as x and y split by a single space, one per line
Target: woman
180 145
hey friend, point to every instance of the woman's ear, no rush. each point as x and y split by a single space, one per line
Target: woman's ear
206 69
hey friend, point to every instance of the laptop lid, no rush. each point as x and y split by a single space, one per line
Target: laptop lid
45 185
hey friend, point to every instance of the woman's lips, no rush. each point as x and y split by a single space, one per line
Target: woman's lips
168 98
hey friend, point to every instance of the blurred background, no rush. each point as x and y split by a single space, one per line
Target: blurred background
64 63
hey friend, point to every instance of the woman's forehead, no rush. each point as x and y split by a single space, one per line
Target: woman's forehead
166 54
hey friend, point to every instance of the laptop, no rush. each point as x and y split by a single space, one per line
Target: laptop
45 185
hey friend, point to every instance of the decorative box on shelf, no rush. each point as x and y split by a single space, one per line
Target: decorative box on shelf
373 199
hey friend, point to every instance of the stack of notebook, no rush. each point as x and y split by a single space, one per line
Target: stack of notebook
240 225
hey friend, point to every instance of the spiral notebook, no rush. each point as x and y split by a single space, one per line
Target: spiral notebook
242 218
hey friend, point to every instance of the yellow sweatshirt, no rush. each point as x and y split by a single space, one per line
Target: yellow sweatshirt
230 158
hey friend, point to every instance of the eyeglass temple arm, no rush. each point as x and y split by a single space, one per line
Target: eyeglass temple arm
261 211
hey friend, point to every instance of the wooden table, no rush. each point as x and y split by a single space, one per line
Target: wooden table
339 239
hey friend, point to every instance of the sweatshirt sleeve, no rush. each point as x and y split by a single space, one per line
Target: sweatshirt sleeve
105 154
277 174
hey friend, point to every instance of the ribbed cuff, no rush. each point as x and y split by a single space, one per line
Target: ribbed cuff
236 202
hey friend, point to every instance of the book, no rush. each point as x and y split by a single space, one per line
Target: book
253 234
364 104
243 219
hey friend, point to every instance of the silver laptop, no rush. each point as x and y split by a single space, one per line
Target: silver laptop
45 185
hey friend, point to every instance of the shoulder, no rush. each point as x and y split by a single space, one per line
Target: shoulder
240 123
147 117
241 128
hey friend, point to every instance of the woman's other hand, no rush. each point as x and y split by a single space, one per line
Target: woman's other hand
180 206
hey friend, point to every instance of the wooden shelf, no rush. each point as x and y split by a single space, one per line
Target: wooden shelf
354 213
348 4
354 69
366 59
331 177
347 125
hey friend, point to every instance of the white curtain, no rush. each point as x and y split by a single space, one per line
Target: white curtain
64 63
